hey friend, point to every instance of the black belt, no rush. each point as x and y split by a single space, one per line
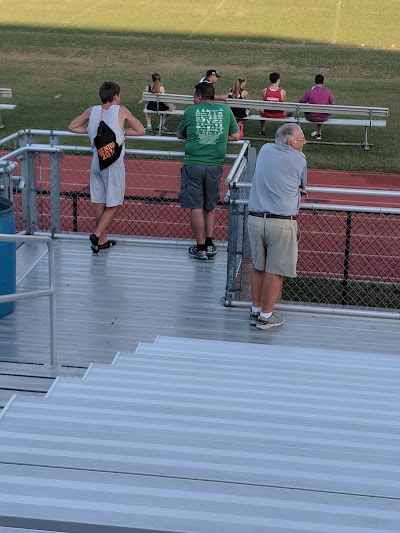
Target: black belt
271 215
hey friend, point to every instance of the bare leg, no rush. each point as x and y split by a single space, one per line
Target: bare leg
104 217
265 289
271 290
319 128
148 119
257 282
262 125
100 208
209 218
198 224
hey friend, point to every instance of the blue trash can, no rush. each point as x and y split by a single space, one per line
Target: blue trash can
7 256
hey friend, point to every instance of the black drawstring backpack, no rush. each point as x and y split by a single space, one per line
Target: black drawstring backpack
106 144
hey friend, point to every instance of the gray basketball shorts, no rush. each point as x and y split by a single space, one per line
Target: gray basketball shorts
107 186
200 186
273 244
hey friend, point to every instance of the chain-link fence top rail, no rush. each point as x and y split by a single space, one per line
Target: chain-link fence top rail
60 183
349 255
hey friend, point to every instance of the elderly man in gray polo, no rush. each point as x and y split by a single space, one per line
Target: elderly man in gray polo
280 178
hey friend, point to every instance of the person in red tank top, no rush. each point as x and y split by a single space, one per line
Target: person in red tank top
273 93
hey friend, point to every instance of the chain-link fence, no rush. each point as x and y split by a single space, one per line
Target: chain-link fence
57 199
348 256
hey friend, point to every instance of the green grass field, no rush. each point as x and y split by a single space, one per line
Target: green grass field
55 54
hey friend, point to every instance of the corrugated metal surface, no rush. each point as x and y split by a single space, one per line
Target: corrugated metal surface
209 437
133 292
191 434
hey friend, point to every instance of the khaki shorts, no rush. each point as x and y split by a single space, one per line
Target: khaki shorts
273 244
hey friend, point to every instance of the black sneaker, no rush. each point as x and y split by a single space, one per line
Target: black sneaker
197 254
95 243
262 133
211 251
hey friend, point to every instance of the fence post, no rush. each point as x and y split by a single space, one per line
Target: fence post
6 182
232 245
29 193
346 262
55 198
251 163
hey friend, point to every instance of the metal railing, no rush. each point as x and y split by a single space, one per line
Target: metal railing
51 194
50 292
56 196
348 256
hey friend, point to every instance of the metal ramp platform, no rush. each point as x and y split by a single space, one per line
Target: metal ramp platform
205 436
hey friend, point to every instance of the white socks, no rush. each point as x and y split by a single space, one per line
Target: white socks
258 310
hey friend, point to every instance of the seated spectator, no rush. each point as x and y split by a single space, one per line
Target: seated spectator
212 76
273 93
239 93
317 95
156 88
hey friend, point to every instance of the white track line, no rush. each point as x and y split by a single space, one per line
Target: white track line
339 6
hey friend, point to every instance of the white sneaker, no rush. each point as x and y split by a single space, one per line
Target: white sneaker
314 133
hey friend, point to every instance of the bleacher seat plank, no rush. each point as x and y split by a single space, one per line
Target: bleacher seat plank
374 115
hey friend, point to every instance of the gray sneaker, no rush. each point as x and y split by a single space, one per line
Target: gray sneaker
253 317
271 322
197 254
211 251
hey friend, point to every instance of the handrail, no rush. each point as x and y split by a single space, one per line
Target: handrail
62 133
51 291
87 149
337 190
337 207
239 160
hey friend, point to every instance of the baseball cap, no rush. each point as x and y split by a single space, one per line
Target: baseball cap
212 72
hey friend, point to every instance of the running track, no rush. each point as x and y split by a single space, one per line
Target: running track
375 243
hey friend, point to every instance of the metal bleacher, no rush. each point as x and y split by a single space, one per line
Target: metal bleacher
190 435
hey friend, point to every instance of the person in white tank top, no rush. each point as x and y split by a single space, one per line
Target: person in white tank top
107 187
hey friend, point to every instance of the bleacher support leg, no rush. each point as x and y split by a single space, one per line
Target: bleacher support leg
367 147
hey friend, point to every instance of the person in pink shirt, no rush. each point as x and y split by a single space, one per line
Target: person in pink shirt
317 95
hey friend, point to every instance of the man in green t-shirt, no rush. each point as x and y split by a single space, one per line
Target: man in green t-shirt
207 127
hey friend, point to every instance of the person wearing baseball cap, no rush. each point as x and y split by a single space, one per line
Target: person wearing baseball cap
212 77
